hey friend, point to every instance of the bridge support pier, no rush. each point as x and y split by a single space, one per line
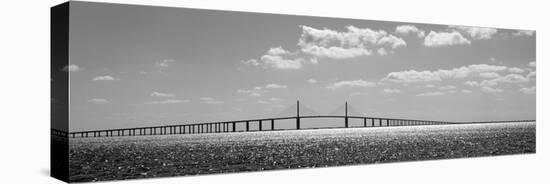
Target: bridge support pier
346 122
260 125
297 123
272 124
247 126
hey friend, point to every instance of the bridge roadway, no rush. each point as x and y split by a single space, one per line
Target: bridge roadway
231 126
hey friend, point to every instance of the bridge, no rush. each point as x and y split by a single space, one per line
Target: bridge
231 126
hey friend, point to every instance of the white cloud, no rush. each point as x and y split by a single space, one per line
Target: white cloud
335 52
275 86
449 87
351 43
358 93
72 68
262 102
516 70
393 41
275 100
405 30
250 62
275 58
532 75
510 78
311 81
392 91
432 93
104 78
529 90
277 51
488 89
99 101
524 33
466 91
471 83
210 100
489 75
477 33
159 94
353 83
435 39
382 52
532 64
165 63
412 76
438 75
314 61
167 101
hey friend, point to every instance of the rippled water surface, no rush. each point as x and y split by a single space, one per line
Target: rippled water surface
110 158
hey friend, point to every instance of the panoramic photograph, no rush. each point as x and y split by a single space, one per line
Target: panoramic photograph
160 91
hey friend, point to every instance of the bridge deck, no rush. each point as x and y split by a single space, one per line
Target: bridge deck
230 126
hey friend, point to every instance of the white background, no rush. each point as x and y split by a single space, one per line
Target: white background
25 84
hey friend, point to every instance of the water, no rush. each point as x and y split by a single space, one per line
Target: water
114 158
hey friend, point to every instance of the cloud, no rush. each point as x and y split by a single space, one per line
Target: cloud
449 87
104 78
335 52
529 90
516 70
523 33
99 101
392 91
432 93
72 68
532 75
250 62
435 39
210 100
353 83
477 33
159 94
275 86
533 64
275 58
489 75
353 42
382 51
471 83
262 102
255 92
488 89
358 93
275 100
272 100
165 63
393 41
510 78
466 91
277 51
167 101
311 81
405 30
437 75
412 76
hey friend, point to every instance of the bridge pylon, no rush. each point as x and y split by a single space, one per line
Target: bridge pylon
297 114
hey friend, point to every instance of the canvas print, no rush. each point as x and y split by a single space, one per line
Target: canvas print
145 91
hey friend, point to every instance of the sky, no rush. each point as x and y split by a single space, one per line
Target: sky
134 66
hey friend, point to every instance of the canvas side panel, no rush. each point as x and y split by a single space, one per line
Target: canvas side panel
59 119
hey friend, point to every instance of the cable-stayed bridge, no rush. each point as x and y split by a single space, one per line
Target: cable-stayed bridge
295 112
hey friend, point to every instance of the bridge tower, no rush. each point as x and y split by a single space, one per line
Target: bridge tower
346 116
298 115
